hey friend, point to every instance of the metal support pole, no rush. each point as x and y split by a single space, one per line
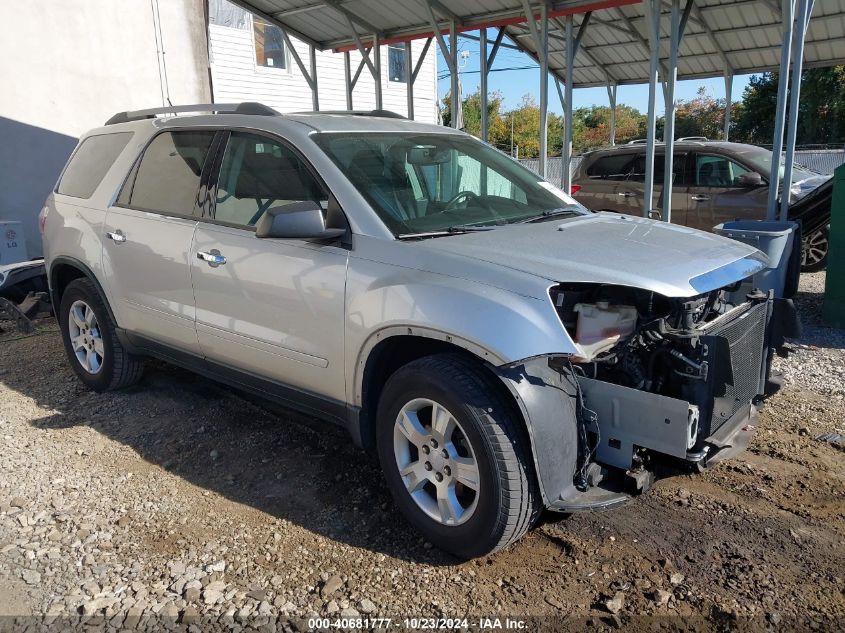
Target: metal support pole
482 88
566 153
653 21
804 12
611 96
729 84
669 117
541 42
453 55
563 129
377 70
315 96
409 79
780 112
347 74
544 88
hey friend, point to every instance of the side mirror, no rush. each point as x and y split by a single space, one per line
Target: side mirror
298 220
750 179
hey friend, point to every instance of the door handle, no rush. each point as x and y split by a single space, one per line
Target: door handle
699 198
213 257
117 237
626 194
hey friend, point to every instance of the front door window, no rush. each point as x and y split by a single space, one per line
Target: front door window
258 174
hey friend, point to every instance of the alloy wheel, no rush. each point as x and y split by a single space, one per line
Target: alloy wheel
436 461
85 337
814 248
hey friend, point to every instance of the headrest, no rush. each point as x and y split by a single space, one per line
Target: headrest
272 177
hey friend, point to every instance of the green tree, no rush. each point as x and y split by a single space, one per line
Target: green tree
821 114
701 116
591 126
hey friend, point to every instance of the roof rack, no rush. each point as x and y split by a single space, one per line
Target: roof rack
693 138
247 107
638 141
386 114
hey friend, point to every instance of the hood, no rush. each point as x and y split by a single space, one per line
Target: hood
609 248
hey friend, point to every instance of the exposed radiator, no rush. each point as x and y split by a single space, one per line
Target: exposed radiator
736 379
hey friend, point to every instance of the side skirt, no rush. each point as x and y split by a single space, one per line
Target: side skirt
327 409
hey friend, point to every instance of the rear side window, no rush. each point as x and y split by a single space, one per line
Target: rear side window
678 169
90 162
167 178
612 167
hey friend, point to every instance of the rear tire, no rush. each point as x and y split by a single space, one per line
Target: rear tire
487 448
93 349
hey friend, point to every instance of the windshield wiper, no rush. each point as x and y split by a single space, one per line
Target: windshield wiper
550 213
468 228
452 230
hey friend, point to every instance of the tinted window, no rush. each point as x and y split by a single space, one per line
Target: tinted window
168 177
257 174
638 170
396 62
612 167
269 44
90 163
717 171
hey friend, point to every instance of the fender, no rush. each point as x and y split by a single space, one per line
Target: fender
86 271
482 353
495 324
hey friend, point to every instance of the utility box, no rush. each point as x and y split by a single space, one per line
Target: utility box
833 312
778 241
12 243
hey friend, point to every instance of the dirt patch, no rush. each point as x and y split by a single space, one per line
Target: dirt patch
179 496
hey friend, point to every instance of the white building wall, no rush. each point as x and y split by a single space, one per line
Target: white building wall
236 77
68 66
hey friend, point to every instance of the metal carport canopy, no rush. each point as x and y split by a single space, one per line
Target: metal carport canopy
739 36
585 43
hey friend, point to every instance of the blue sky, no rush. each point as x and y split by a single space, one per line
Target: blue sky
513 84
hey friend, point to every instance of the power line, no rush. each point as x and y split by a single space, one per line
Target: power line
445 75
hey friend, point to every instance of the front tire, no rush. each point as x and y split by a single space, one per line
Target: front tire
455 456
93 349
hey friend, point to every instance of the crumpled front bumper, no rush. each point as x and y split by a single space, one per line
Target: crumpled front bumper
715 422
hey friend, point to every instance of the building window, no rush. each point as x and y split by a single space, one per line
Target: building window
224 13
269 44
396 62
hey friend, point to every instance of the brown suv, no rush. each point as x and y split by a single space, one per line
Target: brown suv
714 181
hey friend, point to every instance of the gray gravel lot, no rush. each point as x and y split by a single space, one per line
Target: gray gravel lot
180 502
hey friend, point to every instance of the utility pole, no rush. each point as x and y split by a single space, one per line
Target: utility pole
511 134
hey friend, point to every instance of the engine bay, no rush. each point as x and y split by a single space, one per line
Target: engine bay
640 339
658 374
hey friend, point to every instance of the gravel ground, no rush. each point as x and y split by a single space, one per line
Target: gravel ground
180 503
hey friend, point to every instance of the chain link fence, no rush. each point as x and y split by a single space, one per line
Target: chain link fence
822 161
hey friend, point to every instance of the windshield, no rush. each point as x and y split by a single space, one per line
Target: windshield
433 183
761 160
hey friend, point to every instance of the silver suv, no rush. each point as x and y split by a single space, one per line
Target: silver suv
501 349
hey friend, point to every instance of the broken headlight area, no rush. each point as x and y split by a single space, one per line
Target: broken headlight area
659 376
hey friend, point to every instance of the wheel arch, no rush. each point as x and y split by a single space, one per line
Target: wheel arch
387 350
64 270
393 348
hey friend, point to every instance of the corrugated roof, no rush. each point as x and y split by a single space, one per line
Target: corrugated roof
745 35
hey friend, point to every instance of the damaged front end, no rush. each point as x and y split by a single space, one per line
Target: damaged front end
656 379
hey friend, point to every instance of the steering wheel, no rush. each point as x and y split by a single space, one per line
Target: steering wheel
469 195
